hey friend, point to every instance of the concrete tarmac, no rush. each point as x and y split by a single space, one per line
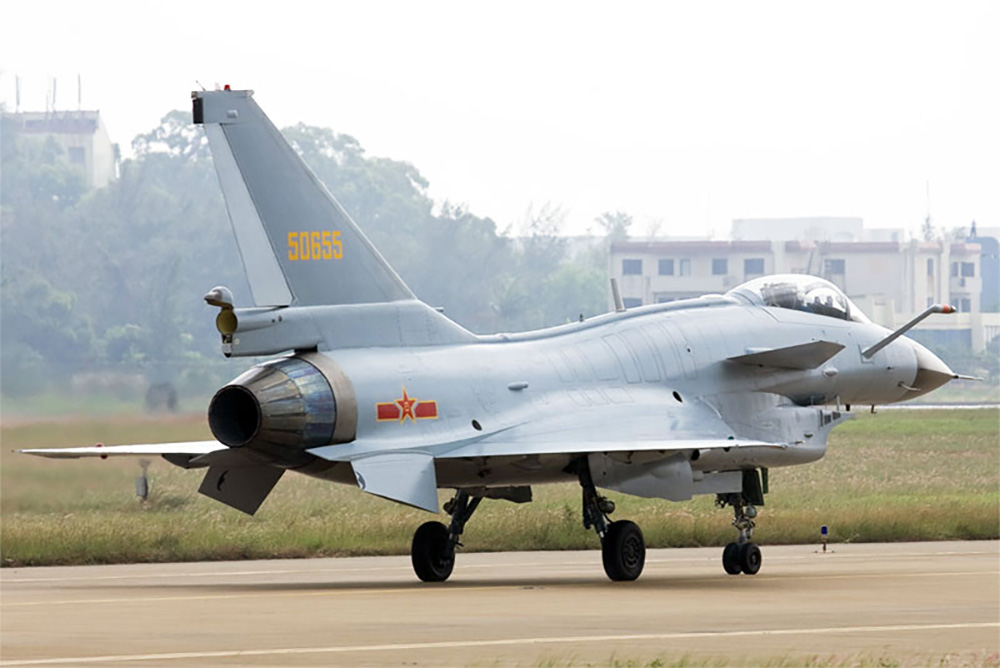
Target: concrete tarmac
915 603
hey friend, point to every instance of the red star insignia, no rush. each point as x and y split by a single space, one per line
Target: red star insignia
406 405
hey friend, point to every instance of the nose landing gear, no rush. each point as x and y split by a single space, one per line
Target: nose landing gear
743 556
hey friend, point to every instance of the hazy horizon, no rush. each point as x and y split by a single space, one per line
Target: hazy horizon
687 115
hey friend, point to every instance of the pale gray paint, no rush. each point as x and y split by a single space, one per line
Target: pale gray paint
289 199
267 283
666 400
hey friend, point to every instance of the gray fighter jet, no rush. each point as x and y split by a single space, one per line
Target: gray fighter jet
373 387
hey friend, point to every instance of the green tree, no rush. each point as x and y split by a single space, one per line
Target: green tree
614 225
113 278
448 260
43 325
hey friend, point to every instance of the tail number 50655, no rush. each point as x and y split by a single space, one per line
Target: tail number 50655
324 245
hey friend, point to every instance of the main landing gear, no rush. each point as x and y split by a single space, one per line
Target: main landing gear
434 544
743 556
623 548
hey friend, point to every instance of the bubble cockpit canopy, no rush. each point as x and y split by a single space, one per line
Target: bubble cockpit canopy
799 292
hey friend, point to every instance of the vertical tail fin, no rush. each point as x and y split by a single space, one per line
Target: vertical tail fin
298 245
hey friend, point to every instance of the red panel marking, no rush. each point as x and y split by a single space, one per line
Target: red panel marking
426 409
388 411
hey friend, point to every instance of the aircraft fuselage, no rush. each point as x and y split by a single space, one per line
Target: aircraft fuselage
665 357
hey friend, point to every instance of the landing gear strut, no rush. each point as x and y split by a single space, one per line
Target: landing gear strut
433 550
623 549
743 556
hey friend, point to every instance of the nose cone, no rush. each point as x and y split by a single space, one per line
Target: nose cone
932 373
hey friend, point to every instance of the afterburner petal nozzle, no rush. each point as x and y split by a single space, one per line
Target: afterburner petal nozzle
276 406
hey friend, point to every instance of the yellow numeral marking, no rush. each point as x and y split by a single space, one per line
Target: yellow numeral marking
316 252
327 248
338 247
325 245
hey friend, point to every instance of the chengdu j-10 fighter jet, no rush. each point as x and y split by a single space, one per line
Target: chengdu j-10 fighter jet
372 387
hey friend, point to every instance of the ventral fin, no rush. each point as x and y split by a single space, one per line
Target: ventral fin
243 488
406 477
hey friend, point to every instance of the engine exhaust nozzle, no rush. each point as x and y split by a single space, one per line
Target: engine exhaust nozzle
276 406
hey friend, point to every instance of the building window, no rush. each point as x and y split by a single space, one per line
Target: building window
930 302
930 266
632 267
968 269
666 267
834 267
685 268
753 266
664 300
77 155
719 266
954 269
965 306
631 302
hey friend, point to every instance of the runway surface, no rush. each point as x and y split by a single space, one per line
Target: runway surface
910 601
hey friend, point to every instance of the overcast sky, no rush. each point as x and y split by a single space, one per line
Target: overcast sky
687 113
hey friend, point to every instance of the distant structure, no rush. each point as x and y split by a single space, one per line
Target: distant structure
989 262
81 133
891 279
815 228
818 228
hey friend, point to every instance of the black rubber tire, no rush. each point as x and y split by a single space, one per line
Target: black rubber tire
731 559
623 551
429 553
750 558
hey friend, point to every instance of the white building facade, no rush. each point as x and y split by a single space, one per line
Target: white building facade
81 133
891 281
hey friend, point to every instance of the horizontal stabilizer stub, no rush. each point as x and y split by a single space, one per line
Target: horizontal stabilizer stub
803 356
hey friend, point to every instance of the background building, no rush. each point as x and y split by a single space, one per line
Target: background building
989 262
891 281
816 228
81 133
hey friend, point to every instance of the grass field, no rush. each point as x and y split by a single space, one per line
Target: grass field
898 475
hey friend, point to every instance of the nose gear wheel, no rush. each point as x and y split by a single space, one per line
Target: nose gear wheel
744 555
